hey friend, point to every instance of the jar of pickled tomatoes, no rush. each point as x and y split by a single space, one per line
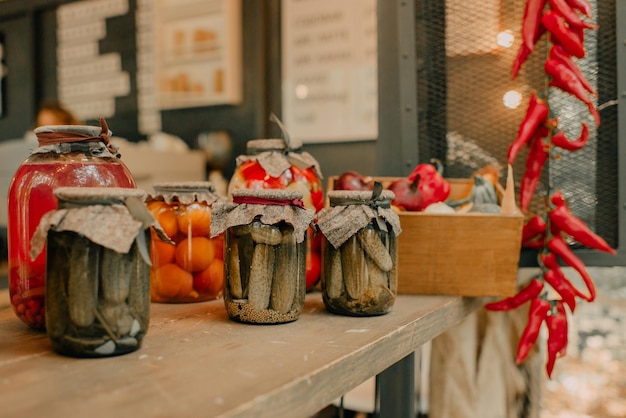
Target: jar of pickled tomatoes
67 155
281 164
191 267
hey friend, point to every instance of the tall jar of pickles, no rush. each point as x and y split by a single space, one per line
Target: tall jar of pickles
97 270
360 252
191 267
67 155
281 164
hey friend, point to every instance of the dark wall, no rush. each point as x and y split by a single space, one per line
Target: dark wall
30 30
18 87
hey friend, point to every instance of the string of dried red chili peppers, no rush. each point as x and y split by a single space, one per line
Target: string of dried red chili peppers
563 21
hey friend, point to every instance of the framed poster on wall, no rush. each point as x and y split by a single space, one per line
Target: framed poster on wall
198 52
329 69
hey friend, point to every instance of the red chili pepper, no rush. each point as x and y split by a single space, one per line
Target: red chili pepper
539 309
536 114
555 277
563 220
558 246
556 323
528 292
534 244
431 184
564 79
537 156
559 54
535 226
561 141
570 15
557 26
532 21
582 6
523 52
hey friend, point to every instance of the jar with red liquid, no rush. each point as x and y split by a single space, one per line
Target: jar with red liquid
190 268
67 156
281 164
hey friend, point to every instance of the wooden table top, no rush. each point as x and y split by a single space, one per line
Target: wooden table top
195 361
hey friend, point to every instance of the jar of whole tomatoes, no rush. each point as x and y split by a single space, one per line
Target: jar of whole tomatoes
359 252
67 155
97 270
191 268
265 254
281 164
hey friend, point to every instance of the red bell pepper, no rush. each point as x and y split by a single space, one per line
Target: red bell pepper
528 292
558 246
539 309
566 80
563 142
556 323
531 22
563 220
536 115
570 15
537 156
557 26
559 54
432 185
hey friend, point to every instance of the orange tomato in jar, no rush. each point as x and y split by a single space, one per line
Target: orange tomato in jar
194 220
210 281
194 254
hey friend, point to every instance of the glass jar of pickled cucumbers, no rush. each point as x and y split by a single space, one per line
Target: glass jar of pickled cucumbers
359 252
265 254
97 270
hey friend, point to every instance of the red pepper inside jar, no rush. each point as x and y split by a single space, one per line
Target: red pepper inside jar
67 155
281 164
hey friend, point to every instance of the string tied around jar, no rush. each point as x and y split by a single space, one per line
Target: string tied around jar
254 200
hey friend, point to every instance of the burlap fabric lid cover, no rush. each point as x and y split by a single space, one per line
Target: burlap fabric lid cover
276 157
93 139
185 192
112 217
352 210
274 207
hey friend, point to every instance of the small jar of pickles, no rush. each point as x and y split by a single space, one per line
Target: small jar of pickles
265 254
359 252
191 269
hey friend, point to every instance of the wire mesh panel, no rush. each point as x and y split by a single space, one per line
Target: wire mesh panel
470 108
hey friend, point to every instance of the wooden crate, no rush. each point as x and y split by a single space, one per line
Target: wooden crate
472 254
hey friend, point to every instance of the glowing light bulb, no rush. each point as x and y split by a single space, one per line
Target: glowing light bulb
512 99
505 38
